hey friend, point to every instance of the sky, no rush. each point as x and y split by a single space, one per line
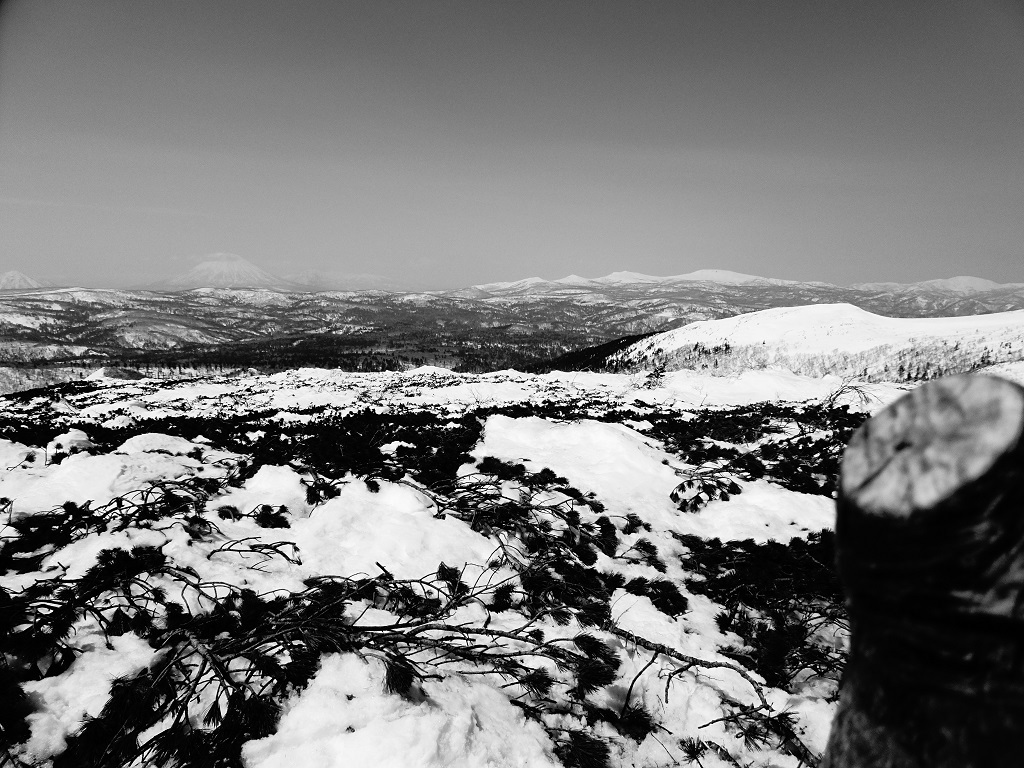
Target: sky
442 144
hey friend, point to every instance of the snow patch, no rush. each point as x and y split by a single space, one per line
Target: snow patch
154 442
81 691
345 720
631 474
394 527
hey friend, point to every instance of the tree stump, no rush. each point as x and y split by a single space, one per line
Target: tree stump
930 548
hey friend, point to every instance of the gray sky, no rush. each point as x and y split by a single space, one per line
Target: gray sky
452 143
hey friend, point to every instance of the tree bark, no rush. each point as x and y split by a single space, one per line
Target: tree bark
930 547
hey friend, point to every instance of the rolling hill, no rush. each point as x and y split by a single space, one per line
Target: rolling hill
836 339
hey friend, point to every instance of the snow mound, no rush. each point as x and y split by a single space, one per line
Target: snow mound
345 720
72 441
82 691
155 442
395 528
82 478
115 373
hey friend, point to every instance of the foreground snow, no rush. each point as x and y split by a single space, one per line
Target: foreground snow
344 717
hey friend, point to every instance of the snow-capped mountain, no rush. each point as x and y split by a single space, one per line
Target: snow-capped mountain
833 338
224 270
13 280
722 279
962 284
658 303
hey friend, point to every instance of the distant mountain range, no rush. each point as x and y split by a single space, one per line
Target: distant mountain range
229 270
632 303
226 300
537 285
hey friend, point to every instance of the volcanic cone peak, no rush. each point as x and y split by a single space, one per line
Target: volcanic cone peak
224 270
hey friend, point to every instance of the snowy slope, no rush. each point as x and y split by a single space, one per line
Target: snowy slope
838 338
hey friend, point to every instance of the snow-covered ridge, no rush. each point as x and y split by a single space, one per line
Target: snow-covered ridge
962 284
626 278
724 277
229 270
831 327
838 338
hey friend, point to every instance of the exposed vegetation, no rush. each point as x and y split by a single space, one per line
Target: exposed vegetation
797 447
228 657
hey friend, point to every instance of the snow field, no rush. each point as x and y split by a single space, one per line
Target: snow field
629 474
344 717
66 699
310 390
